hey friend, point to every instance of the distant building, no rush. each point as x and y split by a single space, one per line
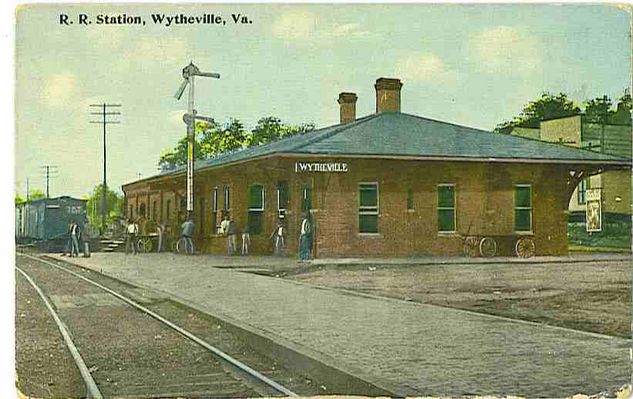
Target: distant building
613 137
386 184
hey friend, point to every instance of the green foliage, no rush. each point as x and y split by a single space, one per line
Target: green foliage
271 128
548 106
599 110
212 139
114 206
625 100
35 194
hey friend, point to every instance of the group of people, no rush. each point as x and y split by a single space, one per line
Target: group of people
77 237
133 230
230 229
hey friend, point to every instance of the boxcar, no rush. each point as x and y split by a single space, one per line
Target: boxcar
47 220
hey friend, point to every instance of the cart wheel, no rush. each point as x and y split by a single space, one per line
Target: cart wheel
525 247
470 247
145 245
487 247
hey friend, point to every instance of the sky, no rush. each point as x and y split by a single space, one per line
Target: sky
475 65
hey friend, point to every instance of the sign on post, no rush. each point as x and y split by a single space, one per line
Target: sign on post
593 214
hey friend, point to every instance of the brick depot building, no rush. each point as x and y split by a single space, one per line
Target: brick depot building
387 184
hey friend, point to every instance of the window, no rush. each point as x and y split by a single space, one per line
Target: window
227 198
523 207
214 212
368 208
154 211
255 208
168 209
582 191
306 198
446 208
142 210
410 199
282 198
131 211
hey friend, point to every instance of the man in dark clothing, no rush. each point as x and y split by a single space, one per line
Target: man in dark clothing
74 237
305 239
231 234
187 233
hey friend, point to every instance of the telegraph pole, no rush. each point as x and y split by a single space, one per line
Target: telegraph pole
49 172
104 113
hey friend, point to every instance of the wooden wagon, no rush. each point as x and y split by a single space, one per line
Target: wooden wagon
520 245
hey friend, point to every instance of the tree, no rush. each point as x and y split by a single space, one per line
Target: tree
548 106
217 139
114 205
271 128
34 195
213 139
599 110
625 100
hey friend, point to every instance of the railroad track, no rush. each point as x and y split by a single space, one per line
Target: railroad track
215 373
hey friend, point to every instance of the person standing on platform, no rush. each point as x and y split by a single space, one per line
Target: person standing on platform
74 236
305 239
187 234
224 225
69 241
246 241
130 238
278 237
231 233
160 229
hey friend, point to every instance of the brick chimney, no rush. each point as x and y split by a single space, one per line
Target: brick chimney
347 102
387 95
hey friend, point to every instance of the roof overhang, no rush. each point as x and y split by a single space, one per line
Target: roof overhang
575 163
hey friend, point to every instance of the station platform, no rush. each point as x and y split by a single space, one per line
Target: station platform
409 348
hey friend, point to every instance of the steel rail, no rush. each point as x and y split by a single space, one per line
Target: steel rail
91 385
248 370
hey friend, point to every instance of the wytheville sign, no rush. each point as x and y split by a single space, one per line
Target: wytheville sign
324 167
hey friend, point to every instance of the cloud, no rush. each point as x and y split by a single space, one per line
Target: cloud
60 90
427 67
163 49
347 30
303 25
294 25
504 49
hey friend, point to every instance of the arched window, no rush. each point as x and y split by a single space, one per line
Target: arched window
142 211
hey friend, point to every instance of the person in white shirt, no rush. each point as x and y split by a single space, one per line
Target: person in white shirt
246 241
130 239
74 236
224 225
279 238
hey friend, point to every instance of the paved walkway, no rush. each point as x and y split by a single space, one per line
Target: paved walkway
419 349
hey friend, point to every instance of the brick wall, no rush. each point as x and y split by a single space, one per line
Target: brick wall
484 204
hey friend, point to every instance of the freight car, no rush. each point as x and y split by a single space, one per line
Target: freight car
45 222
